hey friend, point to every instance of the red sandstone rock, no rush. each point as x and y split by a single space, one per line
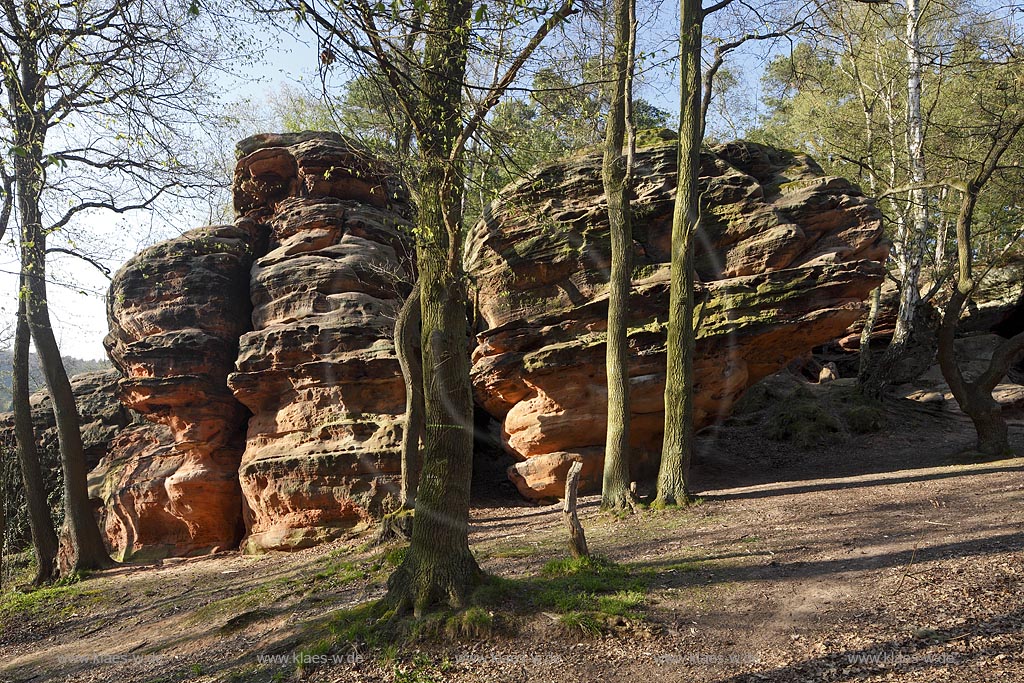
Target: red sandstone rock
318 371
261 352
787 255
297 302
176 311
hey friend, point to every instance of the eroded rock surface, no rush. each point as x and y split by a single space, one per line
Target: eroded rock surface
296 302
318 370
176 311
102 414
103 417
786 254
260 353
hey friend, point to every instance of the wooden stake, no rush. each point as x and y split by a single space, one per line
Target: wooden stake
577 540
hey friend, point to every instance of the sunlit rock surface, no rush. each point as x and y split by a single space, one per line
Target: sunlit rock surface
785 254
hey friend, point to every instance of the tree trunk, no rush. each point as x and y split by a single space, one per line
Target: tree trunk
87 549
615 493
44 537
407 348
677 447
439 568
26 101
975 397
864 366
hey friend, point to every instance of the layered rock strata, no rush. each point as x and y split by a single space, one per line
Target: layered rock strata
786 255
176 311
318 370
260 353
295 301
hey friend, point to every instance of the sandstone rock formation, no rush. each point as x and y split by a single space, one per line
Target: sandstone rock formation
786 256
176 311
295 302
998 302
103 417
101 413
260 353
318 370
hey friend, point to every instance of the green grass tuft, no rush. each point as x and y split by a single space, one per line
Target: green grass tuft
581 621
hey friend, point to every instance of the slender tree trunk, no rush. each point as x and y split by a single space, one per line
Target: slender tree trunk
914 250
439 567
44 537
615 493
942 234
4 473
864 367
27 106
677 447
87 549
407 348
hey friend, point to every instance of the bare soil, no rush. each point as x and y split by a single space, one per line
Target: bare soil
888 556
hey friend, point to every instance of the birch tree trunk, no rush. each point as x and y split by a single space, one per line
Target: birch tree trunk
914 235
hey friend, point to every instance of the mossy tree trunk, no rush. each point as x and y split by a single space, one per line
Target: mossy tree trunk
615 174
439 567
864 364
677 447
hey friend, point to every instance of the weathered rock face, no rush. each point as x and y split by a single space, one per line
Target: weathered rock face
260 353
786 255
101 413
318 370
998 303
176 311
296 302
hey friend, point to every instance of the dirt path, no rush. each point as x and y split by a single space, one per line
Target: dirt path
893 562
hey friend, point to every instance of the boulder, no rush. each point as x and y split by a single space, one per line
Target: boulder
997 305
103 417
261 354
786 256
102 414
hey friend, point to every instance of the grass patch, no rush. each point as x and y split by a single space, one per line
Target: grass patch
864 419
622 603
585 593
58 600
583 622
235 605
801 420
